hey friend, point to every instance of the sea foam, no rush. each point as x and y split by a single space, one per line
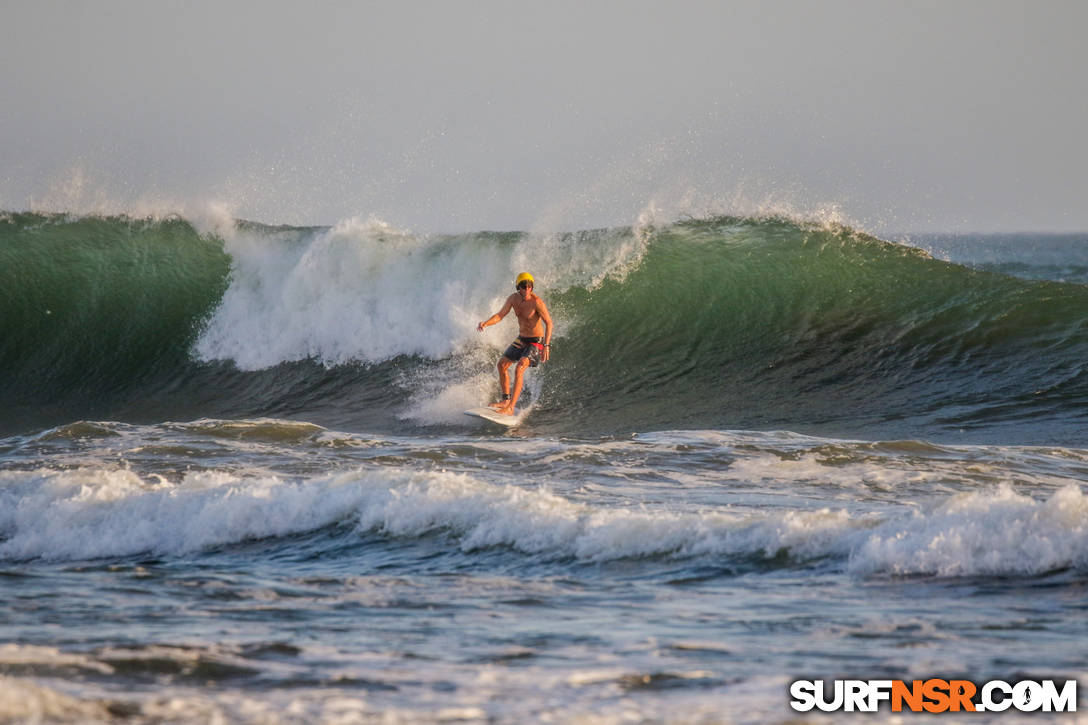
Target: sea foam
992 532
364 291
93 513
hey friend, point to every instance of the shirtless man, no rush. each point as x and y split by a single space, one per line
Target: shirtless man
533 343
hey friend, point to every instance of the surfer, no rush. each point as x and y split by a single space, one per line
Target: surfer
532 345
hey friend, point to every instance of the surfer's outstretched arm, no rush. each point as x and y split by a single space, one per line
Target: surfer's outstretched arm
497 317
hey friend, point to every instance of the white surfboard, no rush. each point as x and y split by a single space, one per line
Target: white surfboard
492 415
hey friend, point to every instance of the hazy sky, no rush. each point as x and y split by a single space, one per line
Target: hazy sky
457 116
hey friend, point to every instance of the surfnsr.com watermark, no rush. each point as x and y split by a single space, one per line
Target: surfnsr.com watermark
934 695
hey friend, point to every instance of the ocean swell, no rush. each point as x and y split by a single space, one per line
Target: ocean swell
714 323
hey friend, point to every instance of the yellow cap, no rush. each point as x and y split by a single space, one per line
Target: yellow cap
524 277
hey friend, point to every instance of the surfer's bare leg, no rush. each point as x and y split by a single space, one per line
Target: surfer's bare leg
519 378
504 381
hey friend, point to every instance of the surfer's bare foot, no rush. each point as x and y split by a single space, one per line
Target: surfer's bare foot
505 408
497 405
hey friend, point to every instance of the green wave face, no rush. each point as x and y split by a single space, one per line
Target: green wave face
92 305
734 322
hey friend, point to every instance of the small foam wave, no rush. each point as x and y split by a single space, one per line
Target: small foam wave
996 532
23 701
92 513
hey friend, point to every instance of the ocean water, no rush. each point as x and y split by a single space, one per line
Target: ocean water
237 486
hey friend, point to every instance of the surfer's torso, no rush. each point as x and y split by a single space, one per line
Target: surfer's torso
530 323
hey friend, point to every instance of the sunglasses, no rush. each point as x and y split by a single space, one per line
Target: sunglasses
523 285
